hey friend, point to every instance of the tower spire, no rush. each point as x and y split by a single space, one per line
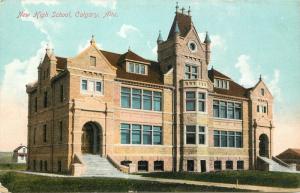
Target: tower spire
177 7
93 42
207 38
189 11
159 39
177 31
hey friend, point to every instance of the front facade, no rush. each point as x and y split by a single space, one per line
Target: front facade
169 115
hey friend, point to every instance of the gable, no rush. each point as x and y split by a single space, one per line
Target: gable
261 90
192 36
84 60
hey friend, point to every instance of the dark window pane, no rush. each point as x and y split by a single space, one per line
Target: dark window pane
223 138
157 135
125 97
147 100
136 98
217 165
125 133
229 165
147 134
201 105
240 165
238 139
136 134
201 139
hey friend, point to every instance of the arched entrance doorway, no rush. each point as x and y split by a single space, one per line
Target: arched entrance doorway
263 145
91 138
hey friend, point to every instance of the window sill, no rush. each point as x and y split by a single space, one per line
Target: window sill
226 119
195 145
141 110
142 145
228 147
196 112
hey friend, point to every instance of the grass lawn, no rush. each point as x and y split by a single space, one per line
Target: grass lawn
275 179
5 157
12 166
17 182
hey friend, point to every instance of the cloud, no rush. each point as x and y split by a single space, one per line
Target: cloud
36 2
83 46
14 100
112 4
274 85
247 78
125 30
216 41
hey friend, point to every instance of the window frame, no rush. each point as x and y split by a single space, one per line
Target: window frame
196 100
91 91
237 109
136 68
190 73
217 134
197 134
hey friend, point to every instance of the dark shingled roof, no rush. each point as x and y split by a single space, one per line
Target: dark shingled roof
61 62
154 74
132 56
290 154
234 88
184 24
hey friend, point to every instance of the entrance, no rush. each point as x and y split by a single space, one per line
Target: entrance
203 165
263 145
90 139
190 165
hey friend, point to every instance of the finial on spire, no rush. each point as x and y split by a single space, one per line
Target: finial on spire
48 50
182 10
207 38
93 40
260 77
212 67
189 11
176 7
159 39
176 28
129 48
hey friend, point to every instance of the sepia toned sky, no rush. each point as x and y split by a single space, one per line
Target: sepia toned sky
249 38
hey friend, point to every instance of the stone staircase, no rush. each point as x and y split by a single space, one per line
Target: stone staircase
99 166
277 165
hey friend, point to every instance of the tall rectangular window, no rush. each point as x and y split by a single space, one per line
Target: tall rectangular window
190 101
230 110
237 111
35 104
125 133
84 85
61 93
231 140
157 101
45 99
92 61
223 138
190 134
136 98
60 130
217 138
201 102
238 139
191 72
147 134
131 67
229 165
136 134
223 109
201 134
125 97
157 135
98 86
45 133
147 100
217 165
34 135
240 164
216 108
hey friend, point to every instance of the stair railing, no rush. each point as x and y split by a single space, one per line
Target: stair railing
122 168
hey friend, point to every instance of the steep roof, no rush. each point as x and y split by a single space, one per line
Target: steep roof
129 55
234 88
154 74
290 154
18 148
184 23
61 62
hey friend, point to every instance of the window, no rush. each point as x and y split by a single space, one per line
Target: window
45 166
157 101
142 165
136 134
137 68
60 130
157 135
35 104
228 139
136 98
59 166
229 165
141 99
201 134
190 165
125 133
126 162
158 165
240 164
34 135
147 134
201 102
190 101
262 92
190 134
91 86
265 109
84 85
92 61
125 97
41 165
223 84
98 86
45 133
45 99
223 109
147 100
223 138
141 134
217 165
34 165
228 110
61 96
191 72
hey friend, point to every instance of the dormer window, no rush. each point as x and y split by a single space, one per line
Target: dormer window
92 61
136 68
191 72
223 84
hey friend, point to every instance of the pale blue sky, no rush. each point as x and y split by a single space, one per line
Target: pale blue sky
265 32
